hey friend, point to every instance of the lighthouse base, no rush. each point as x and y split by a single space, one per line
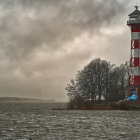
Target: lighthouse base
133 90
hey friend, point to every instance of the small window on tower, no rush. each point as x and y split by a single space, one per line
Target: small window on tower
134 27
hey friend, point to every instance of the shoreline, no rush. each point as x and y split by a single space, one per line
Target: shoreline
103 107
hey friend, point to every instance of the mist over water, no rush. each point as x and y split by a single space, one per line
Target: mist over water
37 121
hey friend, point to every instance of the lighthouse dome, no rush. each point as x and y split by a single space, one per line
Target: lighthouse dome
134 17
135 13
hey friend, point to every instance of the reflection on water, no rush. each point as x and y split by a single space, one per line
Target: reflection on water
36 121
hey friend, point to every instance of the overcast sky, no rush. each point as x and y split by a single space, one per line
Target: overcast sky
43 43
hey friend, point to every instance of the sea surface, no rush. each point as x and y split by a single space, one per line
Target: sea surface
37 121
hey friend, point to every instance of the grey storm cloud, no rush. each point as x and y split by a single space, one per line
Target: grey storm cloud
27 25
37 57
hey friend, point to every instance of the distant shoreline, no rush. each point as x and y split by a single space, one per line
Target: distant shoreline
17 99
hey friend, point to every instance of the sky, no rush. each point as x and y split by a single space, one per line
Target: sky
43 43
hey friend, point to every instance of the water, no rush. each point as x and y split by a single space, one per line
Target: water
37 121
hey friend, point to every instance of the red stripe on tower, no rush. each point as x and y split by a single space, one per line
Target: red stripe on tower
134 80
134 62
135 28
135 44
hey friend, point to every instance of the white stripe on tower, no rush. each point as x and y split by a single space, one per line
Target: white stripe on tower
135 52
135 70
135 35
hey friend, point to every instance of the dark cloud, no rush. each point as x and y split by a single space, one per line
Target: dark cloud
44 42
27 25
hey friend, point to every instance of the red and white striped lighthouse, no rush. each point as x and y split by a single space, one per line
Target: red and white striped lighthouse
134 77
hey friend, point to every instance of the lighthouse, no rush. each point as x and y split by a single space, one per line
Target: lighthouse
134 77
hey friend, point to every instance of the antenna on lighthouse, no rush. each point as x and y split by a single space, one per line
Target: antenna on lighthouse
137 7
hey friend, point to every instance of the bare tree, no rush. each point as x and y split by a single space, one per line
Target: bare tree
99 81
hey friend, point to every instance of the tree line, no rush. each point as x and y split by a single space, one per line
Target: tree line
98 82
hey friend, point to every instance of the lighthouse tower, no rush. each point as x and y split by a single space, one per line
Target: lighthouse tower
134 77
